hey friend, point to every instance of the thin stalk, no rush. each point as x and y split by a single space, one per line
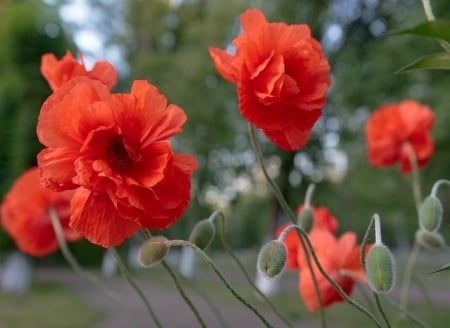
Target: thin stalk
183 294
336 286
437 185
209 302
407 314
178 286
381 310
412 258
219 274
284 205
123 270
76 266
230 252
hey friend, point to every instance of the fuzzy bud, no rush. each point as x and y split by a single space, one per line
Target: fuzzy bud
203 234
153 251
306 219
431 240
430 217
380 269
272 259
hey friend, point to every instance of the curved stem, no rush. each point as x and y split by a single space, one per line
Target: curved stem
412 258
284 205
404 293
75 265
178 286
437 185
381 310
229 250
338 288
219 274
208 301
183 294
127 276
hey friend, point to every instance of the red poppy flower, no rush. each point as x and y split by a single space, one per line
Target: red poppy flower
341 261
281 76
24 214
323 219
393 130
56 72
114 148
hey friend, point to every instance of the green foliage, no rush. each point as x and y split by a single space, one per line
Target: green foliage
23 40
438 29
440 60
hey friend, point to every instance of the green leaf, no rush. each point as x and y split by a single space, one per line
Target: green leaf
444 268
440 60
438 29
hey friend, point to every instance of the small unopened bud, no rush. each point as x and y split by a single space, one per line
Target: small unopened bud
153 251
430 217
203 234
380 269
272 259
431 240
306 219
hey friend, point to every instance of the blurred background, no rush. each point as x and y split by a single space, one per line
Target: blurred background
166 42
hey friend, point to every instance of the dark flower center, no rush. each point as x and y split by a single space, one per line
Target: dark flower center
117 154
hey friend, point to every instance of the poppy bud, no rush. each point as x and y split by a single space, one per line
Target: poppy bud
430 217
153 251
380 269
202 234
272 259
431 240
306 219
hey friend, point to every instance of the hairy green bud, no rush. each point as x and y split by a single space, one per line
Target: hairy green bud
430 216
380 269
153 251
203 234
306 219
431 240
272 259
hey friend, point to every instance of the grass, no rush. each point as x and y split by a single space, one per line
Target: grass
46 305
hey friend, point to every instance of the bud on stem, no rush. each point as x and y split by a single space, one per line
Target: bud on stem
153 251
272 259
203 234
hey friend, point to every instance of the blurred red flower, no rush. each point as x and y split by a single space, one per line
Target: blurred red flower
114 148
281 75
24 214
393 130
340 258
56 72
323 219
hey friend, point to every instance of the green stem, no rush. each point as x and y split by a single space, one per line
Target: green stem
123 270
286 208
178 286
208 301
229 250
404 293
336 286
219 274
407 314
381 310
412 258
77 268
183 295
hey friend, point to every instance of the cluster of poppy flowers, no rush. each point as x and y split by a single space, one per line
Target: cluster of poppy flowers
109 170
